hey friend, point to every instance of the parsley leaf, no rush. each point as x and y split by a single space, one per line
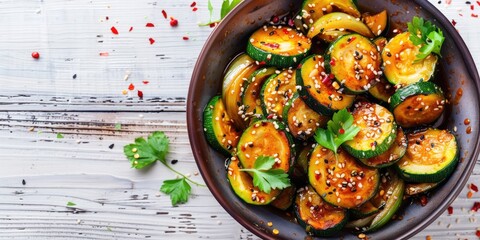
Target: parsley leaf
145 152
178 189
266 178
339 130
427 35
227 6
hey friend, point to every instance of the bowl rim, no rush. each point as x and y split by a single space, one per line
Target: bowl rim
207 177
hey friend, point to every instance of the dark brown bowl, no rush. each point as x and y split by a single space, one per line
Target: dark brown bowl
457 72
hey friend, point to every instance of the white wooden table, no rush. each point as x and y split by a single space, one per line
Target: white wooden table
74 90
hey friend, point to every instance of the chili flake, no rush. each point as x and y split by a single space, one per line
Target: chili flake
145 82
164 14
131 28
35 55
104 54
454 23
173 22
341 131
477 233
474 15
469 194
149 25
185 38
423 200
475 206
450 210
131 87
140 94
194 9
152 41
473 187
193 4
114 30
106 18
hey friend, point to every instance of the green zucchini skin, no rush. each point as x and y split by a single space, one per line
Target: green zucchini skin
273 53
277 90
251 98
392 155
222 139
322 97
432 156
372 119
367 209
324 220
418 104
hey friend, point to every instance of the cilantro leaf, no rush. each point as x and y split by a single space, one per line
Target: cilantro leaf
227 6
426 35
339 130
266 178
145 152
178 190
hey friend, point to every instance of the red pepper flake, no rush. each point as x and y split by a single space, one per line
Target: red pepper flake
194 9
149 25
472 7
152 41
285 31
104 54
131 87
35 55
332 62
454 23
262 63
474 15
450 210
473 187
140 94
270 116
275 19
173 22
341 131
145 82
478 3
423 200
185 38
106 18
476 206
131 28
193 4
212 25
164 14
271 45
114 30
477 233
327 80
469 194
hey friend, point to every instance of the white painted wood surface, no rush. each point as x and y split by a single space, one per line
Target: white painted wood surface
40 98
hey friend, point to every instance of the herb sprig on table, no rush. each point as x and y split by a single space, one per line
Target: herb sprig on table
227 6
265 177
427 35
144 152
339 130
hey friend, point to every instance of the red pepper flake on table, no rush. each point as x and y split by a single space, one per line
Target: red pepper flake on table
114 30
35 55
140 94
193 4
152 41
149 25
131 87
185 38
475 207
131 28
164 14
145 82
173 22
473 187
450 210
104 54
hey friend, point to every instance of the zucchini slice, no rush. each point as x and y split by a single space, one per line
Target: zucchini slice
381 42
365 210
266 138
251 95
392 155
242 185
285 199
312 10
399 63
377 23
339 20
355 62
378 131
317 216
218 127
390 196
318 89
278 46
240 69
332 35
418 104
382 91
344 182
300 167
431 156
276 92
301 120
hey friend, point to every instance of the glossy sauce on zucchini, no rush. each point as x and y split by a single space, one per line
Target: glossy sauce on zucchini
276 92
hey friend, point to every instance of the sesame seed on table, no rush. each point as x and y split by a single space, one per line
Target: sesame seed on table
81 79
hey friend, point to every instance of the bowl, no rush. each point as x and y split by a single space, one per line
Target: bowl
459 79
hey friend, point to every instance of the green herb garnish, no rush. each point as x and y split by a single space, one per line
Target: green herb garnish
143 153
339 130
59 135
427 35
227 6
71 204
266 178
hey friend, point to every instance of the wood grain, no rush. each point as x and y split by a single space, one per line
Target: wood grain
40 174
